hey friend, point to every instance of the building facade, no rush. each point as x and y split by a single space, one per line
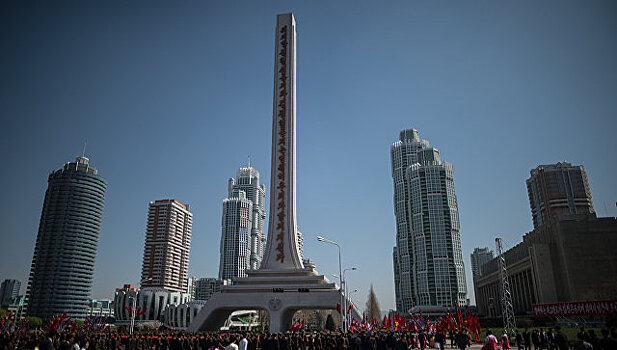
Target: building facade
65 251
479 257
150 303
205 287
101 307
9 289
570 258
557 189
181 316
242 237
428 263
16 306
167 246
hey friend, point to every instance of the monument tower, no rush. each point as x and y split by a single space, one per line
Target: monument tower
283 225
282 285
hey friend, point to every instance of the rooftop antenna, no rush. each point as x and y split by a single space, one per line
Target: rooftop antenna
83 152
249 165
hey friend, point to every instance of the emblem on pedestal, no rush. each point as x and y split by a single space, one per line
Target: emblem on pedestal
275 304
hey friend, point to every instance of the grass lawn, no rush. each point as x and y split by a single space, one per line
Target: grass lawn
569 332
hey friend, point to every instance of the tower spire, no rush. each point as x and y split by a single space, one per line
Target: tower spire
249 162
281 246
83 151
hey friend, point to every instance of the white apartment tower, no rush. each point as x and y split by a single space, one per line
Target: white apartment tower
428 261
167 247
242 237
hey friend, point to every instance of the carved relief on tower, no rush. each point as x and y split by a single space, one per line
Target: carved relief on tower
281 145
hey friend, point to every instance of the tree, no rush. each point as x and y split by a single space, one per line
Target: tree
264 319
372 307
330 323
34 322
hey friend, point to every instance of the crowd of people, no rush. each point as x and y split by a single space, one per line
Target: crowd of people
553 339
177 340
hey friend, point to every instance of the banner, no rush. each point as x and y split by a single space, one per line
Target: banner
575 309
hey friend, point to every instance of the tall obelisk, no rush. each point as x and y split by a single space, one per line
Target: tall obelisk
281 247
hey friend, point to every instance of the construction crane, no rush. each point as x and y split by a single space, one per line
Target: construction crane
507 310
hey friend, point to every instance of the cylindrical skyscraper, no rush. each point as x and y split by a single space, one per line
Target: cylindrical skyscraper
64 255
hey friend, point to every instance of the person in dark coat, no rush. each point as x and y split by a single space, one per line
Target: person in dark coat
422 340
527 339
519 340
462 340
561 340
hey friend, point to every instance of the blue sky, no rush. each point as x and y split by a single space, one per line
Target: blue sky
173 96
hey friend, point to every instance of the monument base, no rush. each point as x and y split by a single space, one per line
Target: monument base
278 292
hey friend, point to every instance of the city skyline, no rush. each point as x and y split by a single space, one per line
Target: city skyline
144 94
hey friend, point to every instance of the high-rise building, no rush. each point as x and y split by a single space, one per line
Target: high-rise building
205 287
9 289
192 284
558 189
167 247
64 255
242 238
479 257
428 262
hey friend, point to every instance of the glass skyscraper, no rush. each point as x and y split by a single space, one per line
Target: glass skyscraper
479 257
242 237
65 251
428 262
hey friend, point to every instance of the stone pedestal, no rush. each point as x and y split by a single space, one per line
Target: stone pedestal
278 292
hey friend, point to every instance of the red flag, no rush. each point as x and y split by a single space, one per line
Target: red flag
349 309
459 317
141 312
338 307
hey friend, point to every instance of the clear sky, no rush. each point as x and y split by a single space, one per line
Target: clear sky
173 96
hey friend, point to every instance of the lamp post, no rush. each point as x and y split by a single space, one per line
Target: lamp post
351 301
340 267
134 305
345 284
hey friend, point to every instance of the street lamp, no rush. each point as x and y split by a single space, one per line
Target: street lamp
345 279
340 272
133 307
349 314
